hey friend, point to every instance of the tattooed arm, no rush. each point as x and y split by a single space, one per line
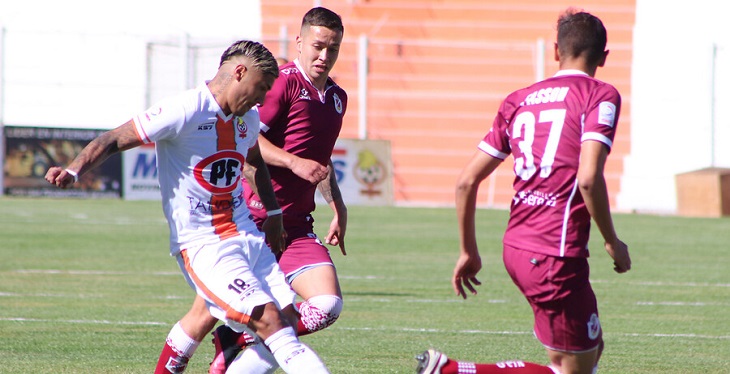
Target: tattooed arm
332 195
95 153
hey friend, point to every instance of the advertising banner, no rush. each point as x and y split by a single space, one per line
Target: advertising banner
363 169
140 174
364 172
30 151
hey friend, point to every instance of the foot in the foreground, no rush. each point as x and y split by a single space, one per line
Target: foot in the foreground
430 362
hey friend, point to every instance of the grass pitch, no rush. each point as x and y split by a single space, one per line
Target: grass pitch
87 286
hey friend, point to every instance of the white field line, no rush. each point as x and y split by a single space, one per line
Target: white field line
487 332
361 299
404 329
91 272
86 321
667 284
82 296
681 303
366 277
372 277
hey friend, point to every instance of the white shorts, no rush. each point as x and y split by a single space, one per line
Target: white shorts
234 276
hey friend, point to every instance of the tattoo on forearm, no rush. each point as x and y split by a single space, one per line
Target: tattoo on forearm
329 189
96 151
326 192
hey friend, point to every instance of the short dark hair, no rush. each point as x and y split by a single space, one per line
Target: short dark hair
323 17
581 33
259 56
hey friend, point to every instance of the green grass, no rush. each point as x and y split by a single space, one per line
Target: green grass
87 286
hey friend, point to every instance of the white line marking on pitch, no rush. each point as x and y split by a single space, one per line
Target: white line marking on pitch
665 284
487 332
365 277
430 301
90 272
86 321
680 303
405 329
81 296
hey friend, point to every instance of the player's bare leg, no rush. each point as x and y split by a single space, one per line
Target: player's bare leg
198 322
575 363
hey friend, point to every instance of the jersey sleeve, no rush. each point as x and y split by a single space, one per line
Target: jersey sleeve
276 104
163 120
496 142
601 117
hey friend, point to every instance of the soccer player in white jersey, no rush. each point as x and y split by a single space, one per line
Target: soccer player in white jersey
203 137
559 132
300 122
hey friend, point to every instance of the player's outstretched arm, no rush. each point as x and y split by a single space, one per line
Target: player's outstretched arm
273 226
94 154
467 186
330 190
592 185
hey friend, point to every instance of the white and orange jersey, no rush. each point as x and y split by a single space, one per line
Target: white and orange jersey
200 156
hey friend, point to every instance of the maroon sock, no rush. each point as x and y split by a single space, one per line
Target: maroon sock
171 361
301 329
504 367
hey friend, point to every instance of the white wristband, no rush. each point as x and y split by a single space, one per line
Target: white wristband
73 174
274 212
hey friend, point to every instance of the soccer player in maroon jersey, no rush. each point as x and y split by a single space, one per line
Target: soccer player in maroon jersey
559 131
301 119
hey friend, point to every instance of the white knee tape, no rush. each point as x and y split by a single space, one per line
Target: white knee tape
320 311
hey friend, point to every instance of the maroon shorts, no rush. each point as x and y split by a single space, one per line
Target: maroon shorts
303 249
561 297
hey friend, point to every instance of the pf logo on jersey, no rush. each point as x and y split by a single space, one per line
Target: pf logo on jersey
221 172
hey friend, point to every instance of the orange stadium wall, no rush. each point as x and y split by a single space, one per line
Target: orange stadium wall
437 71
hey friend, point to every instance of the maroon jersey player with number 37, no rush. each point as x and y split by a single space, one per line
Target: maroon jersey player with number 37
559 132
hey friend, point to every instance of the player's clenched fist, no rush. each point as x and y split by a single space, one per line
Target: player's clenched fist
60 177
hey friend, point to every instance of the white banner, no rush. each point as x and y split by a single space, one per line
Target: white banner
140 174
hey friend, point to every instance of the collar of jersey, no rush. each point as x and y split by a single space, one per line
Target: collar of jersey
301 71
570 72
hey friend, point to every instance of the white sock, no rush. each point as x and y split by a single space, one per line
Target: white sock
292 355
183 344
256 359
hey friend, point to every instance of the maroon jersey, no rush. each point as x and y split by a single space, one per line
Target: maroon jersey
298 119
542 126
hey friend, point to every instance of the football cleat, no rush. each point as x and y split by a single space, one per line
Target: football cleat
228 344
430 362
